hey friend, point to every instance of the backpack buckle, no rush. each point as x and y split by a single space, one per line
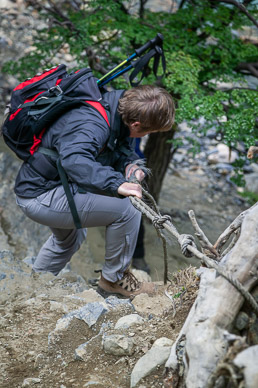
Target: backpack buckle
56 90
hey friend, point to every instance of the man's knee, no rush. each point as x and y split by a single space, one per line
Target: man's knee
130 212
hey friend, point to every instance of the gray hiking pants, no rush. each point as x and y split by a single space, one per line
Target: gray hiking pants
121 219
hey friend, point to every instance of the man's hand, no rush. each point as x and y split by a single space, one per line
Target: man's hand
130 169
127 189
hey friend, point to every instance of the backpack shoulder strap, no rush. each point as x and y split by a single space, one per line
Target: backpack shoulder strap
102 108
64 180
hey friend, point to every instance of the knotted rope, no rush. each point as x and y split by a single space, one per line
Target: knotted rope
187 245
163 222
159 221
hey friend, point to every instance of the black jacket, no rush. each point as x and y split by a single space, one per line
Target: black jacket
93 154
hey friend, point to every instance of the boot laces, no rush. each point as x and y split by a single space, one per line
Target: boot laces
129 282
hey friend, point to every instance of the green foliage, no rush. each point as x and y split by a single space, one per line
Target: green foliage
181 292
238 177
202 47
251 197
177 142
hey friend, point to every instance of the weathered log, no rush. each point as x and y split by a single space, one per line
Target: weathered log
205 336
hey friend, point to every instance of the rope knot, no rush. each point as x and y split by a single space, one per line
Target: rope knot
158 221
185 240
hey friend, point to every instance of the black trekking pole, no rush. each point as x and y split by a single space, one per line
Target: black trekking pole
155 47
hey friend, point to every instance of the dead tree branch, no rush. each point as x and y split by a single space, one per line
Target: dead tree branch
232 243
242 8
207 247
223 238
250 67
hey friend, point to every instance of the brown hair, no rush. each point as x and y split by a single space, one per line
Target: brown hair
152 106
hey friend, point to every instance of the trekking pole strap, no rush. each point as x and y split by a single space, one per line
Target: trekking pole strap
155 49
64 180
157 57
142 64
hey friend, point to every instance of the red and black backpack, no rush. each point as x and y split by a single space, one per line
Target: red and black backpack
39 101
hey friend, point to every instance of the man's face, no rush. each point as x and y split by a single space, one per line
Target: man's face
136 131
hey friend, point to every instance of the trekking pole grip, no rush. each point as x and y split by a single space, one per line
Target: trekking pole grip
157 41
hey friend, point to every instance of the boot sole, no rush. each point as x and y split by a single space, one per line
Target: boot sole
106 294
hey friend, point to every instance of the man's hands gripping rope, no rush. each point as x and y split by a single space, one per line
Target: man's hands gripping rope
134 173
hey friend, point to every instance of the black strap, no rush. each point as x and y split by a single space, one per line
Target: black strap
159 54
41 101
142 64
64 180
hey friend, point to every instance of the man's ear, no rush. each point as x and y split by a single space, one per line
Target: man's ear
136 124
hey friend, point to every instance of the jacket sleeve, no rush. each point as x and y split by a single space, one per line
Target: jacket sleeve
84 134
128 156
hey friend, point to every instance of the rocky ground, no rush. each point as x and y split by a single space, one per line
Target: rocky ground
57 331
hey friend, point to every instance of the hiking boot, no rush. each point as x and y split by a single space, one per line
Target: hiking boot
140 263
127 287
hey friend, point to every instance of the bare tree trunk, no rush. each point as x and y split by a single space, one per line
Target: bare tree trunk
158 154
205 337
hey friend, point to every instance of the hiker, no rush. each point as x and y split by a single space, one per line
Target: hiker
98 160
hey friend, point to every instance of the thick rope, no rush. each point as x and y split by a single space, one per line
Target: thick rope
165 222
141 164
158 226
